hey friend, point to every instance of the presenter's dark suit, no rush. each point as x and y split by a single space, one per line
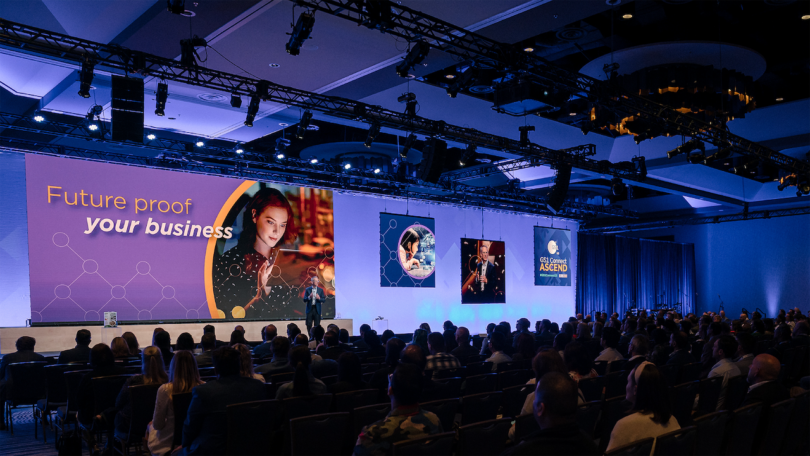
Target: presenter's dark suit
205 429
78 354
313 311
488 293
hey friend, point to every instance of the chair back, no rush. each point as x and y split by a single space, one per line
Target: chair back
507 366
250 426
445 409
317 404
743 429
691 372
56 389
600 367
616 366
483 383
448 388
316 435
281 378
676 443
432 445
709 390
615 384
329 380
683 398
143 399
513 377
487 438
514 397
369 367
711 432
180 403
588 415
799 441
72 381
777 417
28 382
345 402
670 373
525 425
105 391
207 372
612 412
480 407
736 389
460 372
592 388
478 368
363 416
639 448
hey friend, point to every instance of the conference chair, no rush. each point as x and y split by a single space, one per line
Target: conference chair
487 438
525 425
369 367
711 432
736 390
676 443
432 445
105 392
142 399
479 368
180 404
251 425
55 396
482 383
27 387
615 384
742 430
480 407
709 394
448 388
514 397
670 373
66 414
318 434
690 372
600 367
329 380
683 399
345 402
776 417
207 372
615 366
460 372
282 377
296 407
445 409
640 448
272 388
507 366
612 412
513 377
363 416
797 440
588 416
592 388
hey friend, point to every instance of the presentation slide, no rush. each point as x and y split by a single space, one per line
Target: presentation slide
160 245
407 251
483 272
552 257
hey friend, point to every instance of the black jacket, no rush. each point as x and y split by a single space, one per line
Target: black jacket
17 357
566 440
770 393
85 397
681 357
80 353
463 351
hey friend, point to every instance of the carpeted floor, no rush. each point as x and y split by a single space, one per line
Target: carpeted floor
22 443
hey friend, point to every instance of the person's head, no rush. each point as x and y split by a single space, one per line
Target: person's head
318 333
208 341
245 360
462 336
758 326
525 345
548 360
659 337
631 324
386 335
745 344
132 342
343 335
363 328
555 328
555 401
483 252
491 328
561 340
764 368
723 314
507 328
300 339
577 359
679 341
567 328
647 390
426 327
300 359
448 326
435 343
183 373
413 354
83 337
333 327
371 339
280 346
152 366
185 341
163 340
724 347
610 337
522 324
686 326
237 337
239 328
802 328
410 241
227 362
497 342
420 338
268 220
545 325
583 331
293 330
119 347
639 345
209 329
405 385
393 349
101 356
315 281
349 369
155 336
269 333
330 340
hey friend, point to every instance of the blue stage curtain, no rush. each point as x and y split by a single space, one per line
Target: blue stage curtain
617 273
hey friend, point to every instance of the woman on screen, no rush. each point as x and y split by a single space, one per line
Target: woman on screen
240 275
408 247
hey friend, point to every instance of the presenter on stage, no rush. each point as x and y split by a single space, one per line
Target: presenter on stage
314 297
408 247
241 275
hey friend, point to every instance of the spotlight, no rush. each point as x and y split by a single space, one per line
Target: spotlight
252 110
373 131
377 170
627 16
236 100
407 147
686 147
786 182
176 6
462 82
719 155
280 155
160 99
804 185
300 33
238 149
696 157
85 79
414 57
347 166
303 125
188 53
151 137
467 155
524 134
313 160
199 144
747 166
410 108
92 126
39 118
528 49
640 165
281 146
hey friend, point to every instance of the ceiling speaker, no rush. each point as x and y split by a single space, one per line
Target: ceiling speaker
556 197
433 156
127 109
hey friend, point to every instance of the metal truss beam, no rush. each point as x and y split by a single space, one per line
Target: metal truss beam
413 26
117 59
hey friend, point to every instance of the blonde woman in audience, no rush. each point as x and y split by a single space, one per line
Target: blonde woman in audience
120 348
246 363
183 377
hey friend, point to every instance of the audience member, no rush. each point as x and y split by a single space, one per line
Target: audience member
246 363
450 343
304 383
152 373
407 421
592 347
609 342
265 349
77 354
521 326
578 362
419 339
163 341
360 344
102 364
426 327
393 350
132 342
555 410
387 334
331 349
746 344
547 360
205 429
762 376
544 335
723 352
210 329
372 340
463 349
485 343
183 377
317 337
651 412
343 338
239 328
639 347
561 340
279 363
237 337
680 349
25 353
661 348
439 360
185 341
497 344
119 348
208 343
350 374
524 347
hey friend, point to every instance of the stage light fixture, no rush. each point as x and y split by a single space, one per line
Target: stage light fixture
467 155
407 146
239 149
236 100
524 134
188 53
280 156
161 96
747 166
617 187
347 166
85 79
313 160
786 182
373 131
39 118
303 125
719 155
627 16
199 144
300 33
640 165
377 170
414 57
687 147
804 185
461 82
253 109
176 6
151 137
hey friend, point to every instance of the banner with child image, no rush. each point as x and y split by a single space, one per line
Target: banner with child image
407 251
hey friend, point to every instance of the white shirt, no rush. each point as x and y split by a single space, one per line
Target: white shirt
609 354
639 426
483 273
724 368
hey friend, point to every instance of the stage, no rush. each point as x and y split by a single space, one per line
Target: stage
58 338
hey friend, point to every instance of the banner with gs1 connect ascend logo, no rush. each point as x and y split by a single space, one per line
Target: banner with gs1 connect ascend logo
552 257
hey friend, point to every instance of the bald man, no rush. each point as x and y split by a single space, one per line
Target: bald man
464 348
762 376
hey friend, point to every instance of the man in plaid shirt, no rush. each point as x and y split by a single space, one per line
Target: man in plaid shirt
438 359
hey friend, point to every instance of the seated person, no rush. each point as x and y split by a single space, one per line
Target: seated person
407 421
497 344
132 341
680 346
246 363
102 363
205 429
331 350
375 348
80 353
609 342
120 348
350 375
464 349
279 363
439 360
264 350
304 383
393 350
185 341
152 373
578 361
206 358
25 353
